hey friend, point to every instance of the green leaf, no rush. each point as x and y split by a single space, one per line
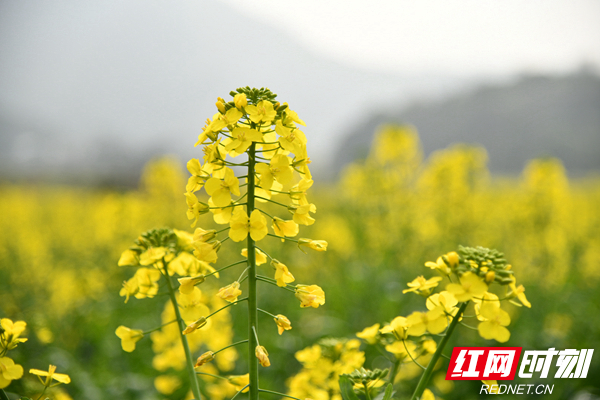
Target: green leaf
347 388
388 392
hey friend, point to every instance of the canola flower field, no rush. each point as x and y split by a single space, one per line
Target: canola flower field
383 220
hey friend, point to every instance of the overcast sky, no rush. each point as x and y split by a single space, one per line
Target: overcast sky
142 75
461 36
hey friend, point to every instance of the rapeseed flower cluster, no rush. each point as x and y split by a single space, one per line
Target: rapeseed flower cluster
276 171
467 276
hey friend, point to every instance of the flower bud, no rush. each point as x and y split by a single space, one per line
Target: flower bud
262 355
453 259
205 358
490 276
240 100
194 326
220 105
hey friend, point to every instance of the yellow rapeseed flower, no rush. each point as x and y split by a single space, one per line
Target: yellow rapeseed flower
293 115
399 326
9 371
128 257
518 292
283 323
242 139
398 348
444 299
302 214
152 255
261 113
230 292
285 228
423 286
187 284
278 170
206 251
439 265
470 286
129 337
241 225
282 275
310 296
9 339
50 375
434 321
230 118
221 190
298 192
292 140
260 257
369 334
494 325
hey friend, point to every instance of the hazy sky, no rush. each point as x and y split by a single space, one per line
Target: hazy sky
82 77
462 36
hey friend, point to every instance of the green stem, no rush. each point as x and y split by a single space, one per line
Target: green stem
438 352
252 303
43 391
239 391
277 393
282 237
226 306
266 312
394 370
410 355
207 374
188 354
367 393
272 201
157 329
3 395
231 345
224 268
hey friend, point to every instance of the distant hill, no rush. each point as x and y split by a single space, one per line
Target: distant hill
533 117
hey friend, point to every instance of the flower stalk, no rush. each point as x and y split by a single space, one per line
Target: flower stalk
189 362
252 303
424 381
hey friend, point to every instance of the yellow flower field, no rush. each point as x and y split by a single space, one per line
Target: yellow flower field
381 222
